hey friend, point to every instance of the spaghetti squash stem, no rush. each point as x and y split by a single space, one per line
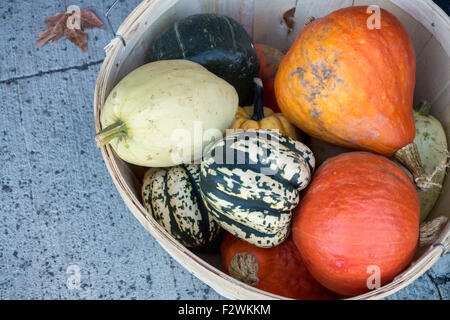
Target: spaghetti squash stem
115 130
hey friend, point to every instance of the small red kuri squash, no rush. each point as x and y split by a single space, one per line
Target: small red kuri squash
278 270
351 85
360 215
269 60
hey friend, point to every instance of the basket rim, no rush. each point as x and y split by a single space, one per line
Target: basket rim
222 283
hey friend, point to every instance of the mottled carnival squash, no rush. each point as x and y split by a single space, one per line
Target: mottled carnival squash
279 270
269 60
217 42
350 85
173 198
259 117
250 183
360 215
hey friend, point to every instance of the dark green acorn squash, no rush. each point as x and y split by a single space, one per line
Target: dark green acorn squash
217 42
173 198
250 183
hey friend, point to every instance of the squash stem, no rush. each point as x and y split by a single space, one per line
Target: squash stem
258 101
410 158
244 267
423 109
115 130
309 20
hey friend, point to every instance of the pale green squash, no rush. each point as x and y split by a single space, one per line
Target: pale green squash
431 142
163 113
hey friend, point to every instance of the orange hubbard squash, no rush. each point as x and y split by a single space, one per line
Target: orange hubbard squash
349 85
259 117
269 61
360 215
279 270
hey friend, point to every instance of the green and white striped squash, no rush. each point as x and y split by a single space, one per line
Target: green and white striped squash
173 198
250 182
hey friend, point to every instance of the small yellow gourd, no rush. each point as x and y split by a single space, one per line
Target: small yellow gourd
260 117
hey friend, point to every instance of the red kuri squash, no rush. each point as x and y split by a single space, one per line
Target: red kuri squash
359 216
278 270
269 60
351 85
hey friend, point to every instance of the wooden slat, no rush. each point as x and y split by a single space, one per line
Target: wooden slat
420 36
318 8
431 16
268 25
408 22
441 106
418 33
432 74
240 10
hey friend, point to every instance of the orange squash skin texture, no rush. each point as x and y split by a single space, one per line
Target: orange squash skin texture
360 210
345 84
281 270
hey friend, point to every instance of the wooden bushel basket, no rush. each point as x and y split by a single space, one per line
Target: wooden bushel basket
428 27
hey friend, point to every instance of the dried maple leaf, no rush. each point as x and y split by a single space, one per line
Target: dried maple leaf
55 29
57 26
89 20
77 37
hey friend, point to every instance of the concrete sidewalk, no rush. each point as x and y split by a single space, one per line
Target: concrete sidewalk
65 232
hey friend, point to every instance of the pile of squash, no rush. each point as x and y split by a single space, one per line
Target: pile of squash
225 127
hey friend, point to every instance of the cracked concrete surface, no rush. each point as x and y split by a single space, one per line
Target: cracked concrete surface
41 73
62 219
